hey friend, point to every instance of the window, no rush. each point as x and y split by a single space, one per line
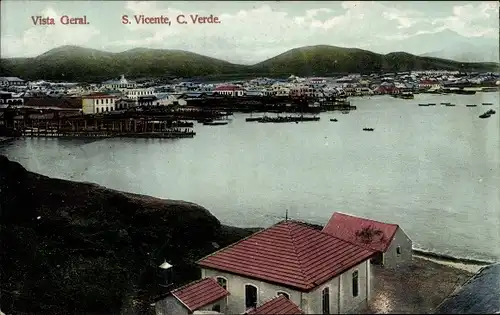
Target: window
284 294
250 296
97 110
216 308
326 300
222 282
355 284
107 101
398 250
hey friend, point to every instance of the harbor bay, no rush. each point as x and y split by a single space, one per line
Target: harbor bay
432 169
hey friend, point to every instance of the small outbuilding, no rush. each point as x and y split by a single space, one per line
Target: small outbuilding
389 241
204 295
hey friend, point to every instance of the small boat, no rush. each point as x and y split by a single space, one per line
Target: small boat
216 123
423 104
446 103
471 105
449 104
487 103
490 112
485 115
464 92
333 119
253 119
368 129
431 104
345 112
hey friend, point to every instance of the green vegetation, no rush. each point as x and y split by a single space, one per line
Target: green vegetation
74 63
70 247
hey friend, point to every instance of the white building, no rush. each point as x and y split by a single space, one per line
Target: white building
229 90
200 297
392 246
134 94
120 84
317 272
10 81
98 103
168 99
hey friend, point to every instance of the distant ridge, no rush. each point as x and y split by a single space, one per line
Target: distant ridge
76 63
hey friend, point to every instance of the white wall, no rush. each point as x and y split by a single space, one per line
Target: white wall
100 104
310 302
236 287
341 298
391 257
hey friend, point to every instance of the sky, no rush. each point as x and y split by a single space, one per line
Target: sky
248 32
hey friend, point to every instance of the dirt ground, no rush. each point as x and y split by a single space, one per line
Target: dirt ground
416 289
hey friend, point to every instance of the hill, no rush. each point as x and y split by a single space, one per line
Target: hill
69 247
74 63
323 60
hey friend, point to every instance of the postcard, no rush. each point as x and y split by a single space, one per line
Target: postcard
249 157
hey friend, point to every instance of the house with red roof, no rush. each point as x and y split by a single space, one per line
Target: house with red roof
202 296
316 272
229 90
389 241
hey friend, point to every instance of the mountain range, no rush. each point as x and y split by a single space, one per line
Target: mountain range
74 63
451 45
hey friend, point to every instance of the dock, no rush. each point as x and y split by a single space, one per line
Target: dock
98 126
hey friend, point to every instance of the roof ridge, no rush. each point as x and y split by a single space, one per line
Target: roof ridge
364 218
324 233
300 262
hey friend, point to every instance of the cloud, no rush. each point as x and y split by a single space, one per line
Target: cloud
266 29
45 37
472 20
261 31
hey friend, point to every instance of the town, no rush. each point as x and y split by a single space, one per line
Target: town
152 108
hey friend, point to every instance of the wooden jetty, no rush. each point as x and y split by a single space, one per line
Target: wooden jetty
97 126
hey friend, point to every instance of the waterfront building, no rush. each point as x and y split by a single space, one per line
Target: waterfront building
98 103
168 99
389 241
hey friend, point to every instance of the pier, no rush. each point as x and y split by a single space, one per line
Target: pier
54 124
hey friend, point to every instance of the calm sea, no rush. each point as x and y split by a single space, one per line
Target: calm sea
432 170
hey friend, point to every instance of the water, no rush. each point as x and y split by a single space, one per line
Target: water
432 170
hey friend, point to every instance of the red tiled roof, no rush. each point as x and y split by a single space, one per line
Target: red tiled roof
278 305
199 293
289 253
346 227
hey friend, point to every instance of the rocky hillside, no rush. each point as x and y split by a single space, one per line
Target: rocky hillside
70 247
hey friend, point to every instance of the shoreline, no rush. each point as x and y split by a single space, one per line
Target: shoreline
471 265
